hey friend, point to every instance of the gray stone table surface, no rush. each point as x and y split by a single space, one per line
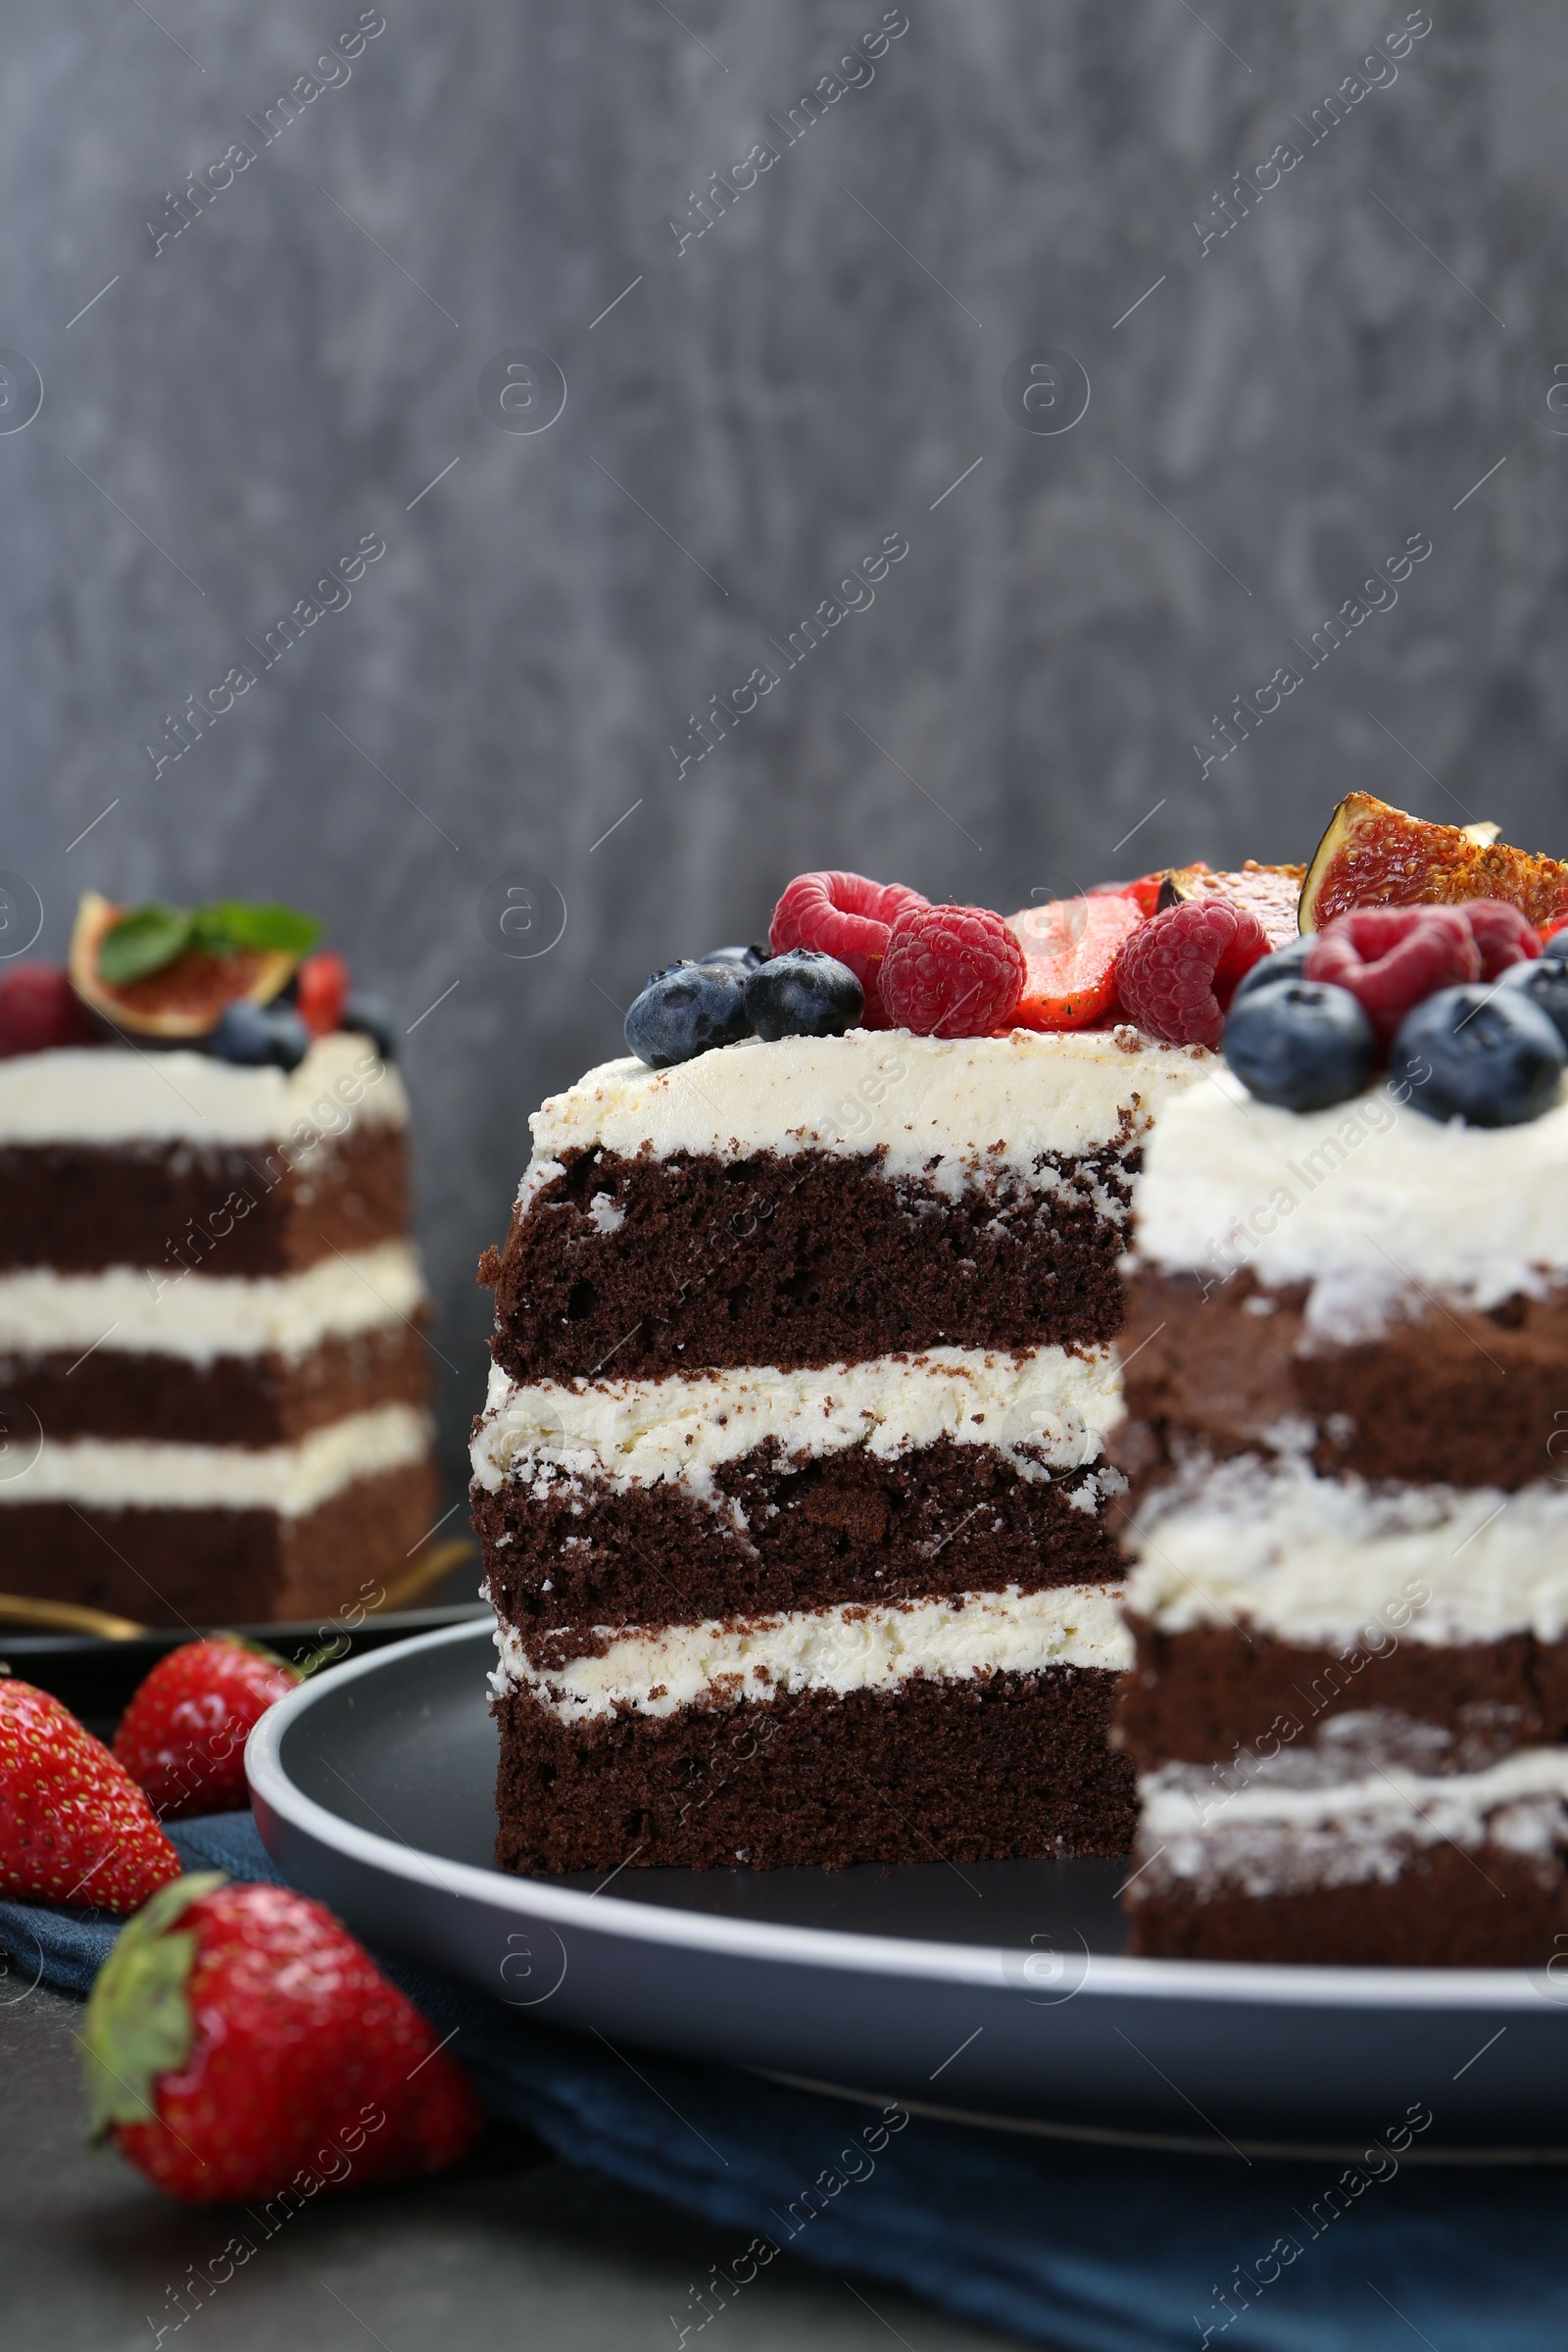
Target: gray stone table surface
514 2251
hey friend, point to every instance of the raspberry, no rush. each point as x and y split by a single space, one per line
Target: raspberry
39 1008
953 971
1177 972
1390 957
1503 933
847 917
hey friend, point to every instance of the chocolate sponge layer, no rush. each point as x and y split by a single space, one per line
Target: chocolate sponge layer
845 1525
930 1771
804 1260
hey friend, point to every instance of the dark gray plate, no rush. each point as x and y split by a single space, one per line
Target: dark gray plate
997 1991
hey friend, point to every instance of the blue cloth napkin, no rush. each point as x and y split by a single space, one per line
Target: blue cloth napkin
1080 2247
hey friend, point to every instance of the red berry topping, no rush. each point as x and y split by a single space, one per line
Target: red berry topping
74 1828
1503 935
847 917
323 990
39 1008
239 2041
953 971
1070 946
1390 957
182 1738
1177 972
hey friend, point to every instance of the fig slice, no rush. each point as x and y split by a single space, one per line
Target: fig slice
185 997
1376 856
1270 892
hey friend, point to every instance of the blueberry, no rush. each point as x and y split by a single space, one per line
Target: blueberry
747 957
1301 1043
803 993
687 1009
1286 964
1545 983
371 1016
1488 1054
260 1036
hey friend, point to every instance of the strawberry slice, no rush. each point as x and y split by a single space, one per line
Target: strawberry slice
1071 947
1144 893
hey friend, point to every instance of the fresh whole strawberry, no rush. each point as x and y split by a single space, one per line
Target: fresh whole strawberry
239 2042
74 1828
182 1738
323 991
847 917
1177 972
953 971
39 1009
1390 958
1503 935
1071 947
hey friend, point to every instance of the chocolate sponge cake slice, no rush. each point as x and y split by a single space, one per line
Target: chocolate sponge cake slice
790 1481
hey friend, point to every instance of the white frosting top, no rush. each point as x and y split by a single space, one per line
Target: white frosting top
1370 1203
127 1309
952 1110
124 1095
137 1472
1333 1561
852 1648
639 1432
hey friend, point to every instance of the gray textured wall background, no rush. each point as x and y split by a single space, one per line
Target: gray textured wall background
759 411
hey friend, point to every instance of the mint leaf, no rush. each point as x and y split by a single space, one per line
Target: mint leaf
142 942
229 925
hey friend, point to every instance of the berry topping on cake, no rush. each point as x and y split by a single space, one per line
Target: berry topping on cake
1486 1055
1177 973
1372 855
1270 892
40 1009
1503 935
1286 964
847 917
688 1011
1546 984
182 1737
803 993
1390 957
169 971
260 1036
953 971
747 957
323 991
1071 947
1299 1043
371 1016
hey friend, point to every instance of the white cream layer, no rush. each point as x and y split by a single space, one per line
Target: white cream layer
1371 1203
660 1670
136 1474
625 1433
1274 1841
951 1112
121 1095
199 1317
1173 1804
1333 1560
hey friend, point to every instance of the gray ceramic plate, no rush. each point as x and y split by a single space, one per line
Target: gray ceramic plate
996 1993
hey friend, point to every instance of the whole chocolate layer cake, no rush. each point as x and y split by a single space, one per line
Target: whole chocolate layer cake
1348 1351
790 1481
214 1376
